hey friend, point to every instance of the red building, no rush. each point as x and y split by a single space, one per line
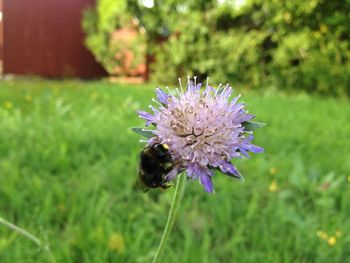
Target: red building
44 37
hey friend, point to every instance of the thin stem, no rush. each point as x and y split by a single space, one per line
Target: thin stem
27 235
171 217
20 231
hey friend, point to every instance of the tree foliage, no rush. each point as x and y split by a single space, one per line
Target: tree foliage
99 23
287 44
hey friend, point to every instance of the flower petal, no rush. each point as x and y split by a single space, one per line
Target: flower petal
205 180
244 117
208 90
172 174
247 146
191 87
229 169
146 116
226 92
244 152
194 170
162 96
254 148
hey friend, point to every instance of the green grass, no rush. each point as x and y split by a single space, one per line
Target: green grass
68 165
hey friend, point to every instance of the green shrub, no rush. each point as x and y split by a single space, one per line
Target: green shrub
297 45
289 45
99 23
313 62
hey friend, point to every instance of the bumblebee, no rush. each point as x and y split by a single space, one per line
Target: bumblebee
155 163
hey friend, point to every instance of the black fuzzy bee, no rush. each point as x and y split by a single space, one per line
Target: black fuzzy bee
156 162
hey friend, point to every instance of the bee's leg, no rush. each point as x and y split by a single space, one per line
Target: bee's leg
166 186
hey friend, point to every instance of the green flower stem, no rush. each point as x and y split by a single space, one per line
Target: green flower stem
180 184
28 235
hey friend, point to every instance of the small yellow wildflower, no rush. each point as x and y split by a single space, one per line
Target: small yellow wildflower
56 91
3 243
28 98
273 170
94 95
116 243
332 240
287 17
349 178
321 234
99 234
323 29
273 186
62 208
317 34
8 105
338 233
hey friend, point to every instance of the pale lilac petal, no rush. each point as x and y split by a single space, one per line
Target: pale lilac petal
254 148
191 87
151 141
162 96
247 146
234 100
226 93
208 90
244 117
194 170
172 174
146 116
244 152
214 160
229 169
205 180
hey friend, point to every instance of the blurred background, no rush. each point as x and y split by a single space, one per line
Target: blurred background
74 73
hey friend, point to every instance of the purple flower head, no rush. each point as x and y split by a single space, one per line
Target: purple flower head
204 130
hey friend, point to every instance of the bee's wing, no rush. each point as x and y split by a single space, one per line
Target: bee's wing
141 185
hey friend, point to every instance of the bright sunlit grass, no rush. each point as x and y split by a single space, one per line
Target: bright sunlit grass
68 166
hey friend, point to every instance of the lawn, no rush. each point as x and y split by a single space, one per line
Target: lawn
68 167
